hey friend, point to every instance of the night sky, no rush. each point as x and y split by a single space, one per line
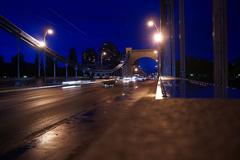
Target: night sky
89 23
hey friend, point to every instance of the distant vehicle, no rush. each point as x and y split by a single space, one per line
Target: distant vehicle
119 78
109 83
139 78
126 79
132 79
105 77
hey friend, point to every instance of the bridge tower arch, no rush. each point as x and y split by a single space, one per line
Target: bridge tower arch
133 56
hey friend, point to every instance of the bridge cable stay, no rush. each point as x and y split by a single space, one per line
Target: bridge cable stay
11 28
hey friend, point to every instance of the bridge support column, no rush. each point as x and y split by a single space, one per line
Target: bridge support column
169 56
182 38
126 70
220 47
66 71
163 28
172 38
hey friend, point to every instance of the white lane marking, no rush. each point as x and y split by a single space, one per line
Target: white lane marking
68 87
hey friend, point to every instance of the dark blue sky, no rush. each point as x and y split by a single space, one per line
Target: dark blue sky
88 23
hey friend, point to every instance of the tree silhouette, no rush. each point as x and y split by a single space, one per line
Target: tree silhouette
14 63
36 65
199 69
1 66
49 65
72 57
89 56
112 58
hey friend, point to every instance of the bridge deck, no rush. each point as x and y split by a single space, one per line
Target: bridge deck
173 129
126 123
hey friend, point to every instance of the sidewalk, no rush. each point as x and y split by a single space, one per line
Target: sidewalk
173 129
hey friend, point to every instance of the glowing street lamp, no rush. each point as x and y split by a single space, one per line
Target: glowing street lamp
42 44
150 23
158 37
136 69
103 54
50 31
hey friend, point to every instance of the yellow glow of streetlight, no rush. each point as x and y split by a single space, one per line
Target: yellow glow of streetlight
42 44
50 31
156 52
104 53
150 23
136 69
158 37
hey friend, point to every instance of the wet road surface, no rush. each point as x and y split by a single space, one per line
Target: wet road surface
41 121
124 122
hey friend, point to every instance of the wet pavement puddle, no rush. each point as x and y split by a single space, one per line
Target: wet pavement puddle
74 135
82 124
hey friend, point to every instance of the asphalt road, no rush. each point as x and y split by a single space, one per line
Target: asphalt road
29 114
123 122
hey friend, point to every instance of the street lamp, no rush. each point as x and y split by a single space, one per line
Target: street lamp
136 70
47 32
158 38
103 54
50 31
151 23
43 44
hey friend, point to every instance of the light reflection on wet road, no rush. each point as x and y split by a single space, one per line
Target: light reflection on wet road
62 123
40 123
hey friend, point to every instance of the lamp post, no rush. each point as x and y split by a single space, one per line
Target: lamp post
103 54
47 32
151 23
158 38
